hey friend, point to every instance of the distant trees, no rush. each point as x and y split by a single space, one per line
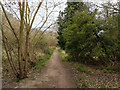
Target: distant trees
61 41
91 36
65 18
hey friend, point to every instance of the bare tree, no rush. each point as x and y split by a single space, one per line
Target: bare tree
25 15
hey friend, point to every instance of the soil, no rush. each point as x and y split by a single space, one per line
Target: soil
55 74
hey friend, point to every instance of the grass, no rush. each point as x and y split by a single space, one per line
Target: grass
42 60
71 63
18 80
75 81
40 63
85 70
32 78
110 85
60 53
84 84
92 82
108 69
102 86
79 68
81 78
115 84
59 50
52 50
63 58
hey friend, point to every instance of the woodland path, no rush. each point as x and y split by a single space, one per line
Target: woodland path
55 74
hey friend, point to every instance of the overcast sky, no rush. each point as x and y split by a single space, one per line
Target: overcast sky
55 14
63 5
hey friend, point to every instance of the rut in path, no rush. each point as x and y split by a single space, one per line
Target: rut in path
54 75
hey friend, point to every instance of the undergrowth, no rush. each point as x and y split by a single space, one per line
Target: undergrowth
85 70
43 59
105 69
62 57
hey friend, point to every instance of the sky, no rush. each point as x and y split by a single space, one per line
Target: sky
54 15
42 12
101 1
63 5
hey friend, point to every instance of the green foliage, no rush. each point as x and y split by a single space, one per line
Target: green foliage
84 84
108 69
66 58
40 63
63 21
60 53
33 78
75 81
61 41
18 80
80 68
92 82
81 78
80 36
52 50
90 36
42 60
59 50
63 58
102 86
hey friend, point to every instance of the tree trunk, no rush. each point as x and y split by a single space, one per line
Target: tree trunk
20 43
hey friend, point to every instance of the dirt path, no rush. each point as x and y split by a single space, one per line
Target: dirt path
54 75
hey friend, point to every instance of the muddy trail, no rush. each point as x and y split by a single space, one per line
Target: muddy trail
54 75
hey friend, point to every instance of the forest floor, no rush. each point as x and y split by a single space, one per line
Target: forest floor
92 76
55 74
89 77
58 74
